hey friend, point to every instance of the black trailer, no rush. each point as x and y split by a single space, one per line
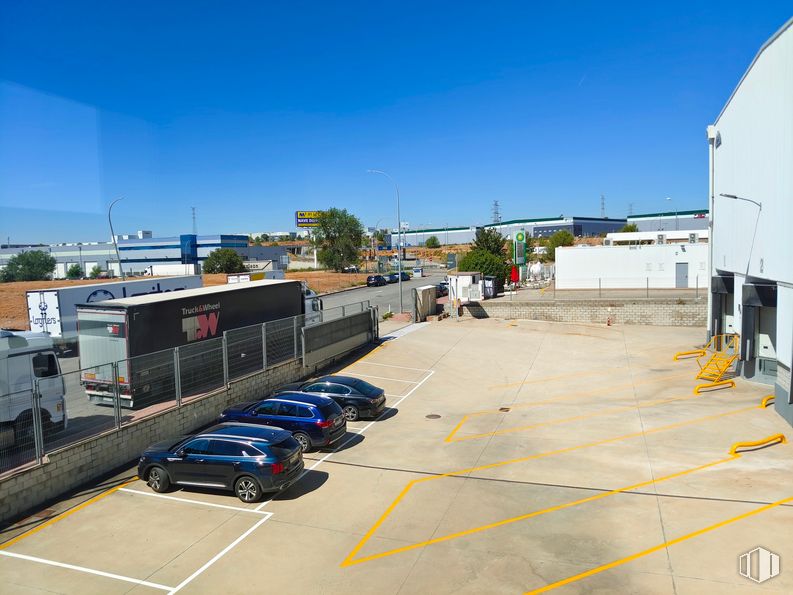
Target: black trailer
139 335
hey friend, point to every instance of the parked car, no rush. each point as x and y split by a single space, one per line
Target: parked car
314 421
350 269
357 398
392 277
375 281
405 276
248 459
442 289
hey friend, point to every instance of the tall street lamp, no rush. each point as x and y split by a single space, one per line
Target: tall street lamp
113 235
399 233
756 221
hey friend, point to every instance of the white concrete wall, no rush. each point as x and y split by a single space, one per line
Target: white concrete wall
755 160
581 267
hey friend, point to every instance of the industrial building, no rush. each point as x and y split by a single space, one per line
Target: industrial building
537 228
751 207
142 254
670 220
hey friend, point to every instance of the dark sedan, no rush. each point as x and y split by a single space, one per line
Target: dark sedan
392 277
315 421
245 458
356 397
375 281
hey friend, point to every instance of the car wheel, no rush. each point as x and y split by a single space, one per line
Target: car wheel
247 489
158 479
23 429
303 440
350 412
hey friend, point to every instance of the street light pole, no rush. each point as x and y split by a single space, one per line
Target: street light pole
399 230
113 235
756 222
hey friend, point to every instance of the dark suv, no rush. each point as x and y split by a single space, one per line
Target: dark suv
314 421
249 459
375 281
356 397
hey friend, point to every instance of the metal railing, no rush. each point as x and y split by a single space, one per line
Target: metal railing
562 288
77 404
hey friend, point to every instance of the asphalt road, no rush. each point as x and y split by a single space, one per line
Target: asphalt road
386 296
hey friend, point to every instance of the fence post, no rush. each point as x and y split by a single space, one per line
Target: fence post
648 286
225 359
600 288
264 346
38 434
343 311
116 394
294 332
177 377
696 295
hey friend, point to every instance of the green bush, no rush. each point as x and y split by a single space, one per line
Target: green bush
34 265
75 272
432 242
223 260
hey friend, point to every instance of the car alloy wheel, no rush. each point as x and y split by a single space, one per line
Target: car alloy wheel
350 412
247 490
303 441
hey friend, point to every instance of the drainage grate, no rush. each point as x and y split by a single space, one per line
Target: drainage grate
433 416
504 409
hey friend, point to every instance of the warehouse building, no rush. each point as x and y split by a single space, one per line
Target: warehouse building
751 206
670 220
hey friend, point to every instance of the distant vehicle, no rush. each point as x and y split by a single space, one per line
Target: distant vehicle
140 332
247 459
392 277
405 276
350 269
442 289
375 281
54 311
26 359
313 420
357 398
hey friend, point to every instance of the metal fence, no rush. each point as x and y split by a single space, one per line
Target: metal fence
79 403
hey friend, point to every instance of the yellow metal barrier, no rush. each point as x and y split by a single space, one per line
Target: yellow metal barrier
701 387
695 353
766 400
775 438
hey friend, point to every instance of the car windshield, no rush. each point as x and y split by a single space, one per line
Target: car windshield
363 387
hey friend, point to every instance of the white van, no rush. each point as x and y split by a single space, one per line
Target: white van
27 357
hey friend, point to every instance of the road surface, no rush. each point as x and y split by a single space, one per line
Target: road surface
387 296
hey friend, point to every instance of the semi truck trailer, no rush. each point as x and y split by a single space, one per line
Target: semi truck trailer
135 338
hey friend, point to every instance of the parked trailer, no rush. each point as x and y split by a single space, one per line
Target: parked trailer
28 359
140 334
54 311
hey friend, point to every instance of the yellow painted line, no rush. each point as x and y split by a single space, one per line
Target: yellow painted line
565 397
780 438
65 514
350 559
658 547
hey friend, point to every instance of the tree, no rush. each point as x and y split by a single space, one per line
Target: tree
95 271
560 238
628 227
75 272
338 238
34 265
489 240
223 260
379 235
487 263
432 242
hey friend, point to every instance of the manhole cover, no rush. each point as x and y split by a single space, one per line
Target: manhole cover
433 416
504 409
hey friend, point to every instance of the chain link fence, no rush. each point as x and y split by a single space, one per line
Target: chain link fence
57 408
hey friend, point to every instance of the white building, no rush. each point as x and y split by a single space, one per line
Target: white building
751 206
637 266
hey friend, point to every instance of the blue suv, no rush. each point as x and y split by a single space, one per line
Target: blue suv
314 421
249 459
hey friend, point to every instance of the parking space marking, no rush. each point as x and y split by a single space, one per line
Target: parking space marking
382 378
87 570
391 366
188 501
658 547
357 433
565 397
350 559
65 514
219 555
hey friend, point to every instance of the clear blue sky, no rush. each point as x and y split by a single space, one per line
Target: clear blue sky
251 110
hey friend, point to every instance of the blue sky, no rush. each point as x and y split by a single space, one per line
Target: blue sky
252 110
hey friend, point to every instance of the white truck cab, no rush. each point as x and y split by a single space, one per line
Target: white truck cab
25 359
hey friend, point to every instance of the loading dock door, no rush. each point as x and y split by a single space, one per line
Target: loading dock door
766 334
681 275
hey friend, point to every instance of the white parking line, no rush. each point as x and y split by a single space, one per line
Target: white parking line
357 433
391 366
217 557
188 501
88 570
382 378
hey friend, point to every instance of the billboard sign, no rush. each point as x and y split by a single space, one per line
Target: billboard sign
307 218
